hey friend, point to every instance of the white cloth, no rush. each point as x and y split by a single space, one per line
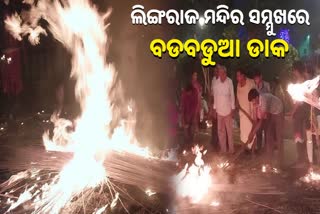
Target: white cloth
224 101
204 109
242 95
213 83
245 123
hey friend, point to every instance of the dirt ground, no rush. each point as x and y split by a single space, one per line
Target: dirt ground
290 194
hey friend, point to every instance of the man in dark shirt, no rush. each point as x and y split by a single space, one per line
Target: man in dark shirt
272 118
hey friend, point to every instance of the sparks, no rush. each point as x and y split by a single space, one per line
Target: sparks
101 210
264 169
149 192
223 165
194 181
311 177
215 203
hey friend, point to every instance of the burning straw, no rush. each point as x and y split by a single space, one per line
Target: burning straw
91 138
125 168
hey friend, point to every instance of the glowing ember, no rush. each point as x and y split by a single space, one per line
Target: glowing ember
194 181
101 210
215 203
208 123
223 165
311 177
150 192
264 168
275 170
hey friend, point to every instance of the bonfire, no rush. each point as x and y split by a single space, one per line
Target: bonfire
87 164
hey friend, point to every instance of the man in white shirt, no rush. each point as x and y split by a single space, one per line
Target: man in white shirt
224 106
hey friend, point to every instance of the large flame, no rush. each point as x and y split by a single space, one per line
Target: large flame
81 29
303 91
195 181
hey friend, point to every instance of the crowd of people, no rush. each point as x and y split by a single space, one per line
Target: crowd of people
260 111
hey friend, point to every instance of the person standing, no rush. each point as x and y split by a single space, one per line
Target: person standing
271 109
246 111
224 106
311 121
262 87
197 86
300 115
214 128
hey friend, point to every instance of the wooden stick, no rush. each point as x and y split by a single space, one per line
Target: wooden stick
8 196
262 205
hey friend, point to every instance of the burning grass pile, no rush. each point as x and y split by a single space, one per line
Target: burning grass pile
28 187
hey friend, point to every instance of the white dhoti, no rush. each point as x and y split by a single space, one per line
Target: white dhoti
245 123
245 129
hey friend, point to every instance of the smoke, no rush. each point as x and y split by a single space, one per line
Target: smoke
146 80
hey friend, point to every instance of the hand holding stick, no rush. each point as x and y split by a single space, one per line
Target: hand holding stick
238 153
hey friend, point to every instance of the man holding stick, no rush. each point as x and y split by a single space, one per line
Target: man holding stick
272 118
246 110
